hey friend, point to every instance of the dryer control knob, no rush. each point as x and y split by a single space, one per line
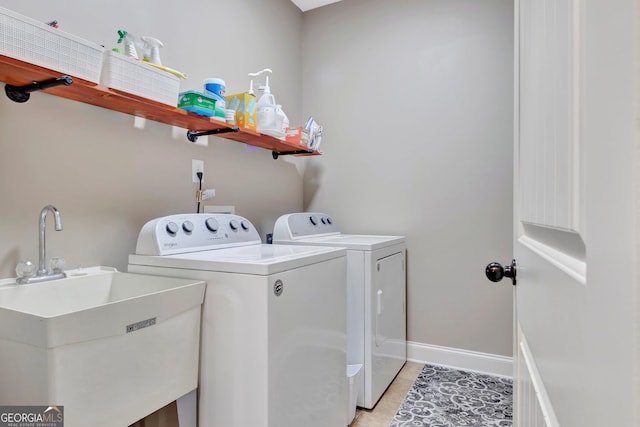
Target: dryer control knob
172 228
187 226
212 224
329 220
233 224
244 225
313 220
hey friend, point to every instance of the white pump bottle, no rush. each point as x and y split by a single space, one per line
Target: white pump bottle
266 107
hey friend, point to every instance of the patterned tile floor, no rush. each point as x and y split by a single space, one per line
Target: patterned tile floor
426 395
382 414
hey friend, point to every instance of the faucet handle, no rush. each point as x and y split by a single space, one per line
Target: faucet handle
57 265
25 269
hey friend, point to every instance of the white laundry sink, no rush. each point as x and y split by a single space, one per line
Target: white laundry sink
109 347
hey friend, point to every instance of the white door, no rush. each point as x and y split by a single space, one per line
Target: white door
575 214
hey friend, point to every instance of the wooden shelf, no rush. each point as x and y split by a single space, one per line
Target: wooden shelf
19 73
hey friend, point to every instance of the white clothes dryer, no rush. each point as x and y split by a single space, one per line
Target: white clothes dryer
273 335
376 296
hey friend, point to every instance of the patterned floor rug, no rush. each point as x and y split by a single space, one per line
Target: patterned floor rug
444 397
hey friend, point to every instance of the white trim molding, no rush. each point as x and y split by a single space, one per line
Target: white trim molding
534 405
467 360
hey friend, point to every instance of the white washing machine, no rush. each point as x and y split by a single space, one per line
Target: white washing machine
376 296
273 336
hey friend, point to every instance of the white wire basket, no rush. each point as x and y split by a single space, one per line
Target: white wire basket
129 75
35 42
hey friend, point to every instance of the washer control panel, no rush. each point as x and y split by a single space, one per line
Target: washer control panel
304 224
183 233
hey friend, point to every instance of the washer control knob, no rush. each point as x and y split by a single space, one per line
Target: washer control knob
233 224
172 228
329 220
244 225
313 220
187 226
324 220
212 224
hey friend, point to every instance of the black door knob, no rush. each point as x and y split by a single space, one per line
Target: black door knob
495 271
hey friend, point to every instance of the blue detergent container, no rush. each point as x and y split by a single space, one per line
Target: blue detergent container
216 89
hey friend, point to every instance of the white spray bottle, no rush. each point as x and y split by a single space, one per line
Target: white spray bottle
130 42
152 49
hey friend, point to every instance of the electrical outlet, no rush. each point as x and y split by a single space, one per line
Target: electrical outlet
196 166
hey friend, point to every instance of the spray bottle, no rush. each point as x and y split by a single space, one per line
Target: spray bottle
130 42
266 108
152 50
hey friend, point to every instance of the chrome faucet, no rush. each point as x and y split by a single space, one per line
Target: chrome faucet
42 227
43 274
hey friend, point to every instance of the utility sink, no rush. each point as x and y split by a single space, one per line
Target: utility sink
109 347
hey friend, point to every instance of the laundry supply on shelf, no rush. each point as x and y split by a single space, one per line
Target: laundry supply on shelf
132 44
298 135
266 108
197 102
152 50
146 49
316 132
245 106
282 123
215 88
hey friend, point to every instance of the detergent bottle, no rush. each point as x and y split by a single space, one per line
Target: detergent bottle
282 122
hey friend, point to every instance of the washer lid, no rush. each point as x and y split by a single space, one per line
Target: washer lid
362 242
317 228
258 259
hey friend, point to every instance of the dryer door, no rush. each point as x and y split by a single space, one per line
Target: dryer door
388 301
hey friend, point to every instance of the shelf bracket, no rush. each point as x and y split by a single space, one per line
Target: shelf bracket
22 93
276 154
192 135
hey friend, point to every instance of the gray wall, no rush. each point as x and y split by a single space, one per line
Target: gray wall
416 97
108 178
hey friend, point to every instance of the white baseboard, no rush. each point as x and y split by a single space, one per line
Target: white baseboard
468 360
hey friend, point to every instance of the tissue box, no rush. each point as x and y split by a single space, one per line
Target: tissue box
245 106
197 102
297 135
